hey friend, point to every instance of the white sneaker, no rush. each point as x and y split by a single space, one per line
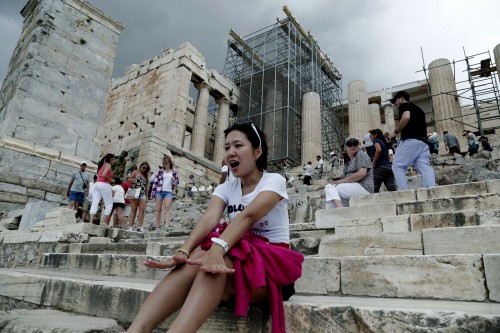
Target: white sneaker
140 230
131 229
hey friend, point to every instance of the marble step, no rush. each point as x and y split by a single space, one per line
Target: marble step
459 240
388 212
50 320
326 314
424 194
156 247
462 277
124 265
104 297
456 277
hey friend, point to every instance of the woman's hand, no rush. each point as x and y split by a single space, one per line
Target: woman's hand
212 261
178 259
340 181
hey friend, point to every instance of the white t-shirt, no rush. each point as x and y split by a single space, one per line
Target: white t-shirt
320 164
167 181
308 170
274 225
226 170
119 194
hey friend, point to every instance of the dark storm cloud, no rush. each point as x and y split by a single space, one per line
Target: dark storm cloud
377 41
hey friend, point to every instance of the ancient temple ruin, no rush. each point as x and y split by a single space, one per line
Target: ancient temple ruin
289 87
150 113
53 99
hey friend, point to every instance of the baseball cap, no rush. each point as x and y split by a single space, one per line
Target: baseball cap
399 94
83 162
351 138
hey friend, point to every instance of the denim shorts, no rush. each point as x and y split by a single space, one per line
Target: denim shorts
143 197
164 195
76 196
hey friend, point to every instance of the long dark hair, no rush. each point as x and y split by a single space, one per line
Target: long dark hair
249 128
107 158
380 135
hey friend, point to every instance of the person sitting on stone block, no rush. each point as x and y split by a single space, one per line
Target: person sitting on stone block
247 260
358 178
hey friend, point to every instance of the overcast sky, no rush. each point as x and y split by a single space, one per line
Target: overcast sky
378 41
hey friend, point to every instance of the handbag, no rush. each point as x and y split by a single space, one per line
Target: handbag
133 193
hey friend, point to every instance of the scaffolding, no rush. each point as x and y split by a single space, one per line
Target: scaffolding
273 68
479 92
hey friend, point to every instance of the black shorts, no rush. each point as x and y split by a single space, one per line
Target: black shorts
118 204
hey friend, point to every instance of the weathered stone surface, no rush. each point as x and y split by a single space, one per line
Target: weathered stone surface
357 226
376 198
306 246
492 273
493 186
488 217
398 223
21 237
320 276
408 243
49 320
326 218
326 314
464 240
105 298
34 212
442 220
455 277
449 191
480 202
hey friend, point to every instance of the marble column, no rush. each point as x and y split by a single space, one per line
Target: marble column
311 127
375 116
359 114
496 55
390 124
222 124
444 97
200 120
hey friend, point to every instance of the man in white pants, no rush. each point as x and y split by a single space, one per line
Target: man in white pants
358 178
413 147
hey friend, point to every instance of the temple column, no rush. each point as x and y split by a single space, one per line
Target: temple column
445 99
390 124
375 116
311 127
496 55
359 114
222 124
200 120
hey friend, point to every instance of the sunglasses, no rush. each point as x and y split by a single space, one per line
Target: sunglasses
246 123
352 144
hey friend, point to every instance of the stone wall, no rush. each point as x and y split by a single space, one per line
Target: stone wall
53 98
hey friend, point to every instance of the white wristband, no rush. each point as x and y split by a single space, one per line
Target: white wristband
222 243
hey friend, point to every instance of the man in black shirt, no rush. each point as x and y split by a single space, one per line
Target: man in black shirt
413 147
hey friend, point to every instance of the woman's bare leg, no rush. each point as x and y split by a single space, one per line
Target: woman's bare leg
167 203
207 290
133 211
142 210
166 298
158 211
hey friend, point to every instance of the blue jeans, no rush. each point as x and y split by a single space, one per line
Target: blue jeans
163 195
416 152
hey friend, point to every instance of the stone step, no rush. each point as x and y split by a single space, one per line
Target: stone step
325 314
104 297
371 244
50 320
124 265
470 202
452 240
461 277
425 194
464 240
326 217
